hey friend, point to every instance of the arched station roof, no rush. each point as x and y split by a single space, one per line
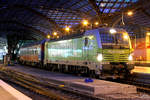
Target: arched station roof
34 19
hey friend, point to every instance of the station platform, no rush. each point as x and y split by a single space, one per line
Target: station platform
96 88
7 92
141 69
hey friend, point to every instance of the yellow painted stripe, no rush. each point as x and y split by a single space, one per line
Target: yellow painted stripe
141 69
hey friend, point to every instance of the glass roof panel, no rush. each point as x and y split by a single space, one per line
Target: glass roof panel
112 10
117 5
101 9
127 0
113 4
106 10
113 0
68 4
123 5
134 0
106 0
109 4
86 8
102 4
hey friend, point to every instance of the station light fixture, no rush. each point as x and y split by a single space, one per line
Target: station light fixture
48 36
130 13
67 28
55 33
96 23
112 31
85 22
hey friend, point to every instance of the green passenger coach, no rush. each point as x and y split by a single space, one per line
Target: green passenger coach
103 52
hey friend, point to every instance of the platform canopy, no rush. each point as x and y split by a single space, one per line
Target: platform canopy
34 19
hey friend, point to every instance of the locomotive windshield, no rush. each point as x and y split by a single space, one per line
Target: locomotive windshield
117 40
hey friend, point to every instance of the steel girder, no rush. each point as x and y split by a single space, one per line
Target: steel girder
53 23
24 26
97 10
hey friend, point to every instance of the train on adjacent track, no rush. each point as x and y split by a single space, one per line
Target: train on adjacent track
141 50
102 52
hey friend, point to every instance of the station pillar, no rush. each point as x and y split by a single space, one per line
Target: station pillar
12 41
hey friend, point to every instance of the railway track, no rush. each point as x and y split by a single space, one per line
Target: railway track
141 87
43 86
142 83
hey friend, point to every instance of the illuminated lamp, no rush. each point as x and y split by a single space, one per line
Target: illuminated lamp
96 23
48 36
85 22
55 33
67 29
129 13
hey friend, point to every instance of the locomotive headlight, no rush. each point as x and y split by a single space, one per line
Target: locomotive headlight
125 37
130 57
99 57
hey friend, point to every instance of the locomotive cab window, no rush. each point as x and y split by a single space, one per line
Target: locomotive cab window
118 40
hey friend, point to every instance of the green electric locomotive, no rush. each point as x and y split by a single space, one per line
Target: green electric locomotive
103 52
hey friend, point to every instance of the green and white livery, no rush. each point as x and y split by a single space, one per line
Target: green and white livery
103 52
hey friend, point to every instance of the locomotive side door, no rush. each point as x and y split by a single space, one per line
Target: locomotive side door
85 48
